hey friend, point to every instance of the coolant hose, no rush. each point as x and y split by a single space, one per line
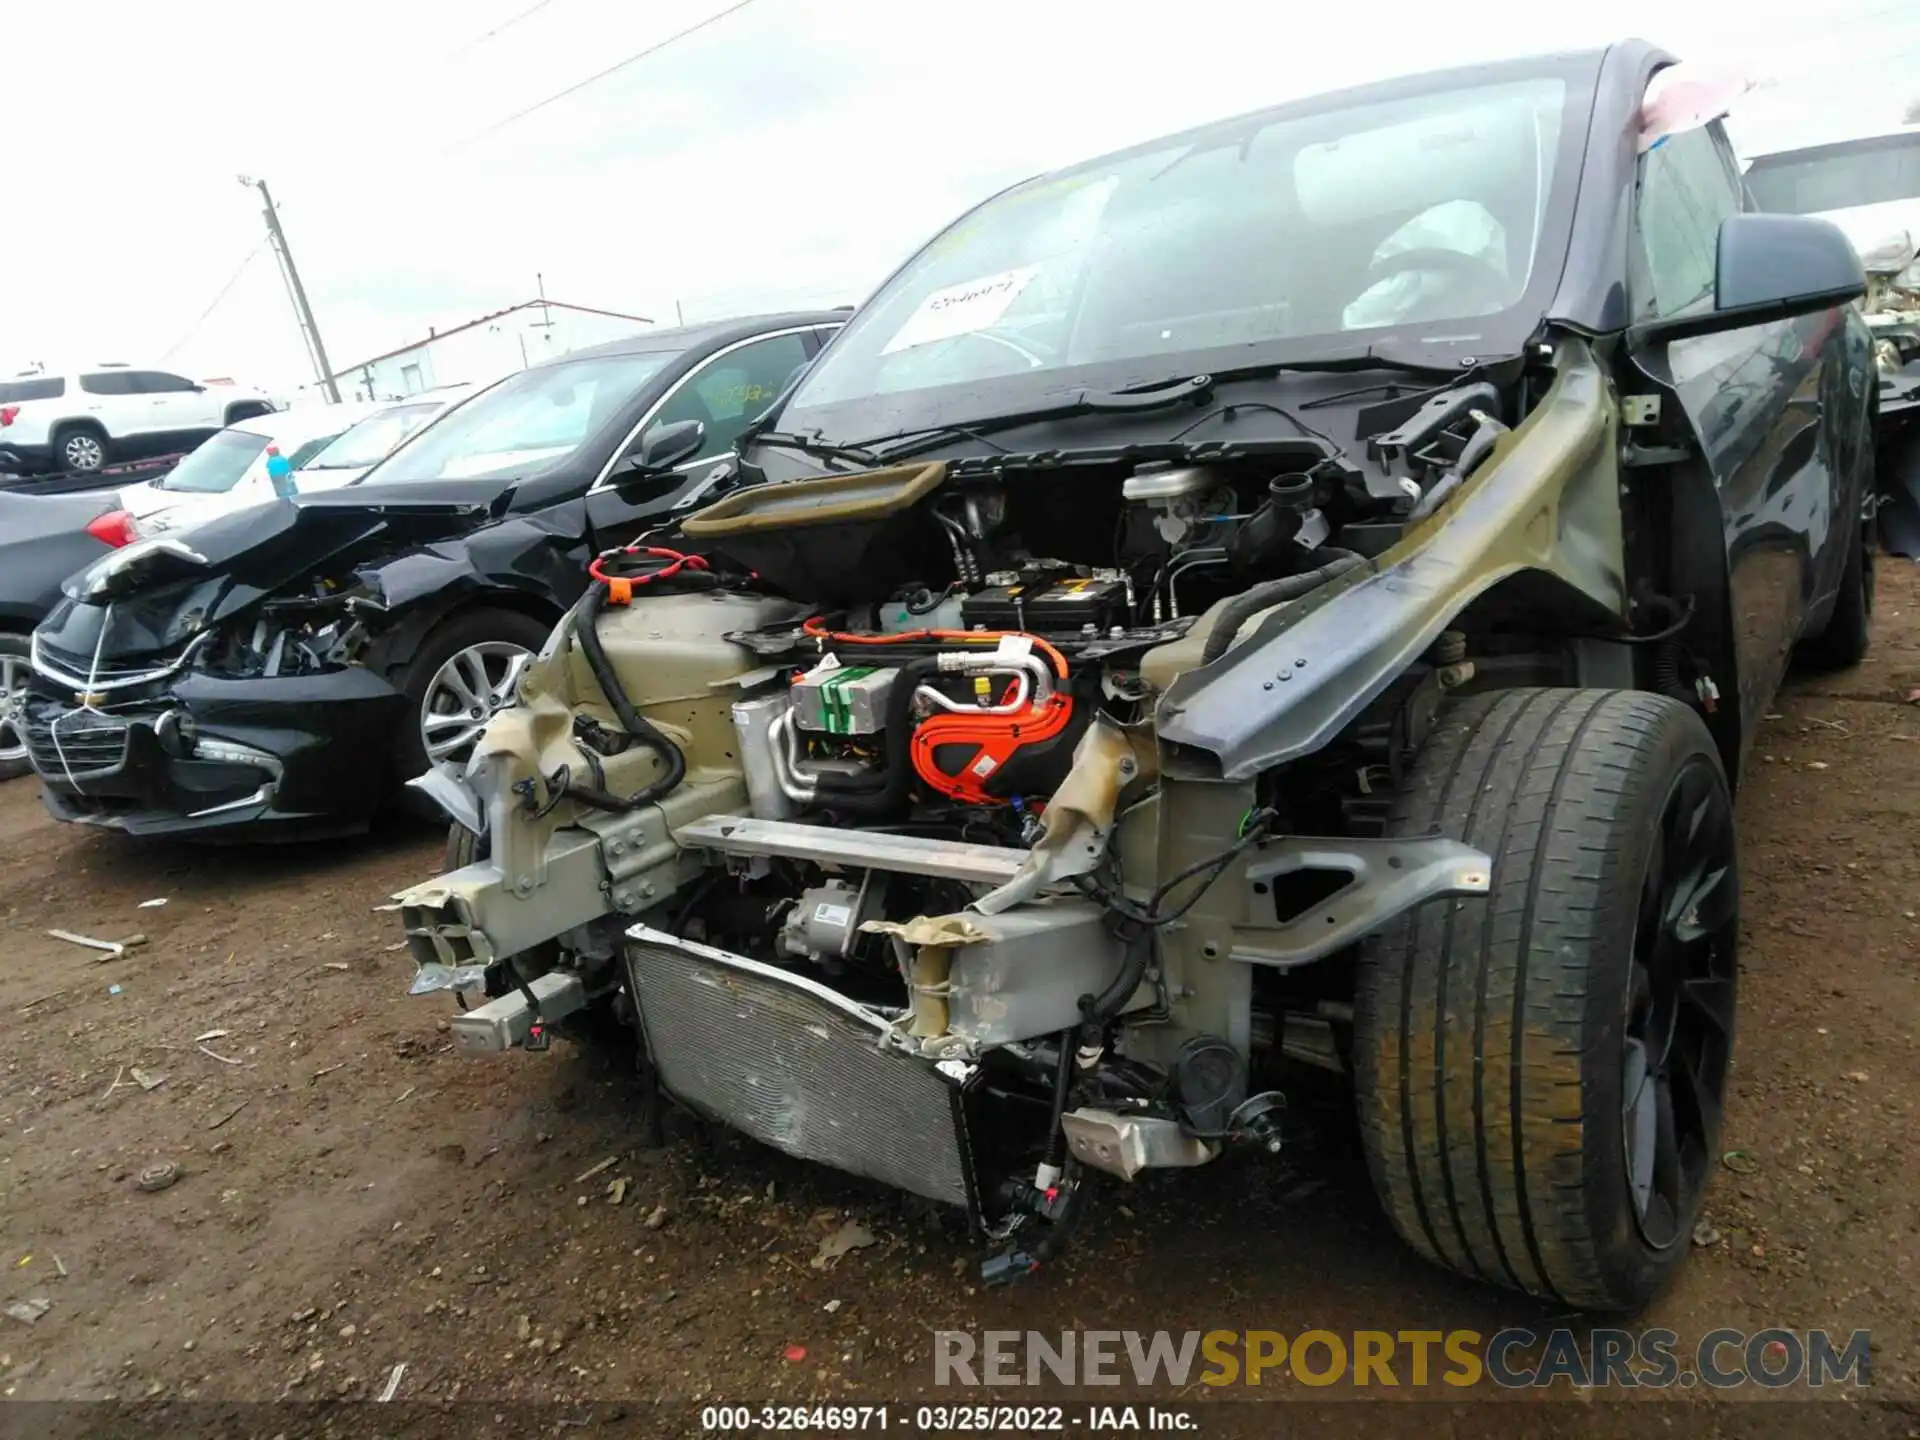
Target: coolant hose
1097 1010
1479 445
1267 594
885 793
1666 672
586 616
1055 1154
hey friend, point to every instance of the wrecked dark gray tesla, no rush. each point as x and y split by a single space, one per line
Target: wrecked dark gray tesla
1295 592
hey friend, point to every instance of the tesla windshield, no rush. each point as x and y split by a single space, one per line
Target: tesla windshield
1324 225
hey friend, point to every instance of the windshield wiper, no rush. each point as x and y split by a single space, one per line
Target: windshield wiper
813 445
1155 395
1149 395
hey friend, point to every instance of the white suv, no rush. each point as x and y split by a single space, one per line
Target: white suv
85 419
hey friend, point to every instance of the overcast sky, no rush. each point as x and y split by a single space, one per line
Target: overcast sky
789 153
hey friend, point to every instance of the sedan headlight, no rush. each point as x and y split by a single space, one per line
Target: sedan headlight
287 643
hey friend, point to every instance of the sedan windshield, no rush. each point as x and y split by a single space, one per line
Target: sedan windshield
217 465
526 425
1319 227
372 440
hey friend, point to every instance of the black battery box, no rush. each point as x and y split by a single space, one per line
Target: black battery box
1053 605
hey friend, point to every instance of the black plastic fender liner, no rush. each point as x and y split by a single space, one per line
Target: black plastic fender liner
1898 514
1547 500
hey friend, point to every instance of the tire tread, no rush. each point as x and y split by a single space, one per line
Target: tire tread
1474 1020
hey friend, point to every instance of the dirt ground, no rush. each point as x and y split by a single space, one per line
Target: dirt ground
352 1195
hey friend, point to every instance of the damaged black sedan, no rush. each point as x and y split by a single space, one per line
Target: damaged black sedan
280 670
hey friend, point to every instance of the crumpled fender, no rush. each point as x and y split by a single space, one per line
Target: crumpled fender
1079 817
1546 500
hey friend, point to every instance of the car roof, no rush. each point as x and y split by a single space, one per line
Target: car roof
308 421
679 339
448 395
97 367
1837 139
1327 101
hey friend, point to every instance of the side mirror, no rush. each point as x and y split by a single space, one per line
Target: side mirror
665 446
1768 268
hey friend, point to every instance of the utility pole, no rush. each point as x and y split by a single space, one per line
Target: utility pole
309 329
544 324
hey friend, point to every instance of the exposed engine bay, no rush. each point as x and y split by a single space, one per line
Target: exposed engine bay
851 796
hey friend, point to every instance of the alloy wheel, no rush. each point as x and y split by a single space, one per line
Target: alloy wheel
83 452
13 685
1680 1005
465 693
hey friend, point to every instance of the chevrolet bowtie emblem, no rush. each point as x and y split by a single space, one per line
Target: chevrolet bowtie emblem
87 697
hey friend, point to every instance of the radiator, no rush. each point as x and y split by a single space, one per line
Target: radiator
795 1066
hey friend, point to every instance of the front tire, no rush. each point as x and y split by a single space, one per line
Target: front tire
1842 643
463 848
1540 1073
466 669
13 685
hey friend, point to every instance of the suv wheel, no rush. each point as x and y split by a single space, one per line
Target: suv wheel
13 686
1541 1072
80 447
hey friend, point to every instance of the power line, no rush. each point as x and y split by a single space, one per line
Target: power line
506 24
594 79
214 304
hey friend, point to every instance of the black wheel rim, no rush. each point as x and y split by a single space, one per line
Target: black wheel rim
1680 1005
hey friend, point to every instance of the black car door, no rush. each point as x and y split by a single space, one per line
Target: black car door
1761 402
726 392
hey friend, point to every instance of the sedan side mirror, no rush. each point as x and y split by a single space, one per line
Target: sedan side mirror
1768 268
665 446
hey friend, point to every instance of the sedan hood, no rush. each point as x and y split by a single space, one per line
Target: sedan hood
1877 230
317 481
144 602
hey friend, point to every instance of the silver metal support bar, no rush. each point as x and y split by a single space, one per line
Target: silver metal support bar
856 849
1390 877
501 1024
